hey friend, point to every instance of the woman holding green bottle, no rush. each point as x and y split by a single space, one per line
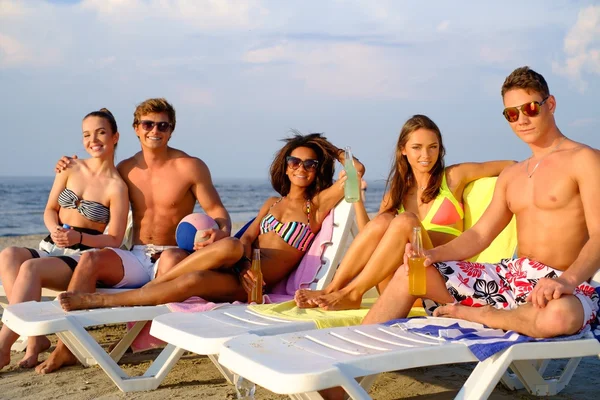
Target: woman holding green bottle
421 192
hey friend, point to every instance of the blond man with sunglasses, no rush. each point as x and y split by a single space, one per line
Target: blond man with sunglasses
164 184
544 291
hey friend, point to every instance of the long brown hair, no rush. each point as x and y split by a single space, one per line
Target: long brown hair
401 177
326 154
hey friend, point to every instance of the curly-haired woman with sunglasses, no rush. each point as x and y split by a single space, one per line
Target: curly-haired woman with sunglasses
302 173
81 203
422 192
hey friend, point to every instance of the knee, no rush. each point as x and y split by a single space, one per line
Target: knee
171 257
233 247
230 249
404 223
30 269
560 318
380 223
89 261
8 256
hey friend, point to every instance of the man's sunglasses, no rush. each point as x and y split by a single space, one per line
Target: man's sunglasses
294 163
531 109
161 126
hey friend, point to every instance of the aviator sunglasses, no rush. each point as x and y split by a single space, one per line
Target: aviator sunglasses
294 163
161 126
531 109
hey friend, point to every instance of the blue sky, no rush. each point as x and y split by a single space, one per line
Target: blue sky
241 74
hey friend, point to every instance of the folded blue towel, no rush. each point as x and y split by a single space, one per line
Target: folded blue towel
481 340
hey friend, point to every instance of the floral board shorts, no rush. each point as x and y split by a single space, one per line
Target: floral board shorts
505 285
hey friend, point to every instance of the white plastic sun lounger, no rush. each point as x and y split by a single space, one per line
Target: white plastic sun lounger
206 333
44 318
300 364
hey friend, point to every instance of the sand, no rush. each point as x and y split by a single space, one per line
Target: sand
195 376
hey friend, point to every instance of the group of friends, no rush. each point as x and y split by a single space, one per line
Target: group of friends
543 291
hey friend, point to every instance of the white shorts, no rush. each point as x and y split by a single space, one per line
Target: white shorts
138 266
47 249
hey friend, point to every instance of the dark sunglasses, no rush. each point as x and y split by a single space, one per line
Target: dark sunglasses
294 163
531 109
161 126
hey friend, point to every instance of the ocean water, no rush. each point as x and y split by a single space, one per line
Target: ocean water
23 199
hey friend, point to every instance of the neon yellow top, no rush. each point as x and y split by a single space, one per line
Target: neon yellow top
445 212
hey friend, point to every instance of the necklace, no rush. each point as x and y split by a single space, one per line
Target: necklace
529 175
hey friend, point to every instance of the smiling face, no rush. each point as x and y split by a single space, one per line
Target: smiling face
530 129
422 150
154 138
300 176
98 138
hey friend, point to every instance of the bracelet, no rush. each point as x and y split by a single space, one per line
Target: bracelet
80 237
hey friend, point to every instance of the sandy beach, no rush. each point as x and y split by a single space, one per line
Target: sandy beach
195 376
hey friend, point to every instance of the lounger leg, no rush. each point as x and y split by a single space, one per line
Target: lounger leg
229 376
306 396
484 377
126 341
534 381
512 381
85 348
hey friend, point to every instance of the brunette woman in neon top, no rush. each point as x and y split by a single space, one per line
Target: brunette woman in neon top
421 191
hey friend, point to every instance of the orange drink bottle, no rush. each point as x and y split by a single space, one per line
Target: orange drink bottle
417 278
256 295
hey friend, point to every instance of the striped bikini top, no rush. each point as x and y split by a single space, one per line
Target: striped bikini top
91 210
296 234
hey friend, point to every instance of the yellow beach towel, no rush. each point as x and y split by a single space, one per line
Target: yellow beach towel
321 318
477 197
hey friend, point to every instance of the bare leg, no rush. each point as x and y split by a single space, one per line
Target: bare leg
99 265
396 302
210 285
11 259
169 259
223 253
563 316
354 261
104 265
33 274
386 259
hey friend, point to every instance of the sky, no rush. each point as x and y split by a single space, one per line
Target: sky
242 74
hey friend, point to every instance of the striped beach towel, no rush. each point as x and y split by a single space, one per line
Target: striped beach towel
481 340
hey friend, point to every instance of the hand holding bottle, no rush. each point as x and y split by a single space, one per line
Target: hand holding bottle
352 184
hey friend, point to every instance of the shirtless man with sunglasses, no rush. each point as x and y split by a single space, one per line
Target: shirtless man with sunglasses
164 184
544 292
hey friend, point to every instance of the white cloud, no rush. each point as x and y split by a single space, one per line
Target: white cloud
583 122
582 49
205 15
443 26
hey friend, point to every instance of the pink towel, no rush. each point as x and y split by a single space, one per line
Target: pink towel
284 290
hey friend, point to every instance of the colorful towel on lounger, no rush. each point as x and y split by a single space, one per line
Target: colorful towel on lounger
302 276
481 340
322 319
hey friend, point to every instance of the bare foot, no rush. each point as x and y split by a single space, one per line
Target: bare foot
472 314
339 300
60 357
305 297
70 301
4 359
35 346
